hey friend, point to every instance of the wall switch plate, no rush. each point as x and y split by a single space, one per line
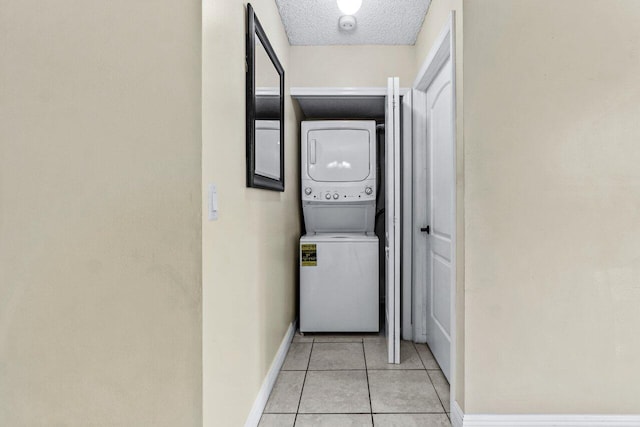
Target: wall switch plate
213 202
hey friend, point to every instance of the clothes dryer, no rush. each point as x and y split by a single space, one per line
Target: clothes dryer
338 175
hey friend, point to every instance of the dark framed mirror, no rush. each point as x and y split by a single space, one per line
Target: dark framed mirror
265 110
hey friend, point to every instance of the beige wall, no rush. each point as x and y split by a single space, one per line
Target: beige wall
438 17
100 269
351 66
102 171
552 101
250 252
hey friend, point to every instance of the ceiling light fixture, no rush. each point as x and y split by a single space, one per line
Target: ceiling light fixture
349 7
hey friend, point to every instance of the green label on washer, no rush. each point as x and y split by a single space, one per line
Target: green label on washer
309 255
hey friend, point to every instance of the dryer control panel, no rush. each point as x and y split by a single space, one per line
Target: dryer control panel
334 193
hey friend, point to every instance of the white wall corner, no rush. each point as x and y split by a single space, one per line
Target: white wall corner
548 420
267 385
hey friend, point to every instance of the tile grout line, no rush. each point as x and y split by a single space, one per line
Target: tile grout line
430 379
354 369
304 380
397 369
353 413
409 413
343 370
363 413
366 373
437 394
419 357
429 376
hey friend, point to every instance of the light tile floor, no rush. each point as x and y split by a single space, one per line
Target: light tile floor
345 380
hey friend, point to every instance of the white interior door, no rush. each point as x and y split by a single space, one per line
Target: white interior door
440 207
392 218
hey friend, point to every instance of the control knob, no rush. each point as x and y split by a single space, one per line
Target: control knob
335 196
307 191
368 190
327 196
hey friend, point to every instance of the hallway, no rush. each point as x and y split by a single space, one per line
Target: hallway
345 380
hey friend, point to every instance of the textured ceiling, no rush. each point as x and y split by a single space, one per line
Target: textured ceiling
315 22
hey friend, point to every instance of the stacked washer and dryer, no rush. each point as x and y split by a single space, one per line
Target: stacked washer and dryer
339 252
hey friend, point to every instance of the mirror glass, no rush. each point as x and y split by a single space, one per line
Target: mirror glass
265 110
268 115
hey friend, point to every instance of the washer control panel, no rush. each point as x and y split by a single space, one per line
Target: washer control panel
338 194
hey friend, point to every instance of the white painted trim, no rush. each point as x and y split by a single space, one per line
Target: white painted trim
392 218
436 57
457 416
418 247
397 215
407 217
459 419
300 92
443 49
267 385
454 228
548 420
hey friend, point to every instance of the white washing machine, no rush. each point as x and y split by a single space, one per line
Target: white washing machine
339 253
339 283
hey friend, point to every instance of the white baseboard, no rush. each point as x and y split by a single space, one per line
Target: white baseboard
459 419
474 420
457 416
267 385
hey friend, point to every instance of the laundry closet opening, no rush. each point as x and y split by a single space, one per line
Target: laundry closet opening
361 111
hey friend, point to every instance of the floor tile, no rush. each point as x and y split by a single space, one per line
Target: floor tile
411 420
298 357
338 338
334 420
402 391
285 395
377 356
427 357
277 420
375 337
441 385
335 392
298 337
335 356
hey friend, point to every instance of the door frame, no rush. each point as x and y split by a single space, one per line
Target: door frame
442 49
393 219
406 228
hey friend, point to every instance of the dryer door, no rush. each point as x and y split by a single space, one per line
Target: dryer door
339 155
